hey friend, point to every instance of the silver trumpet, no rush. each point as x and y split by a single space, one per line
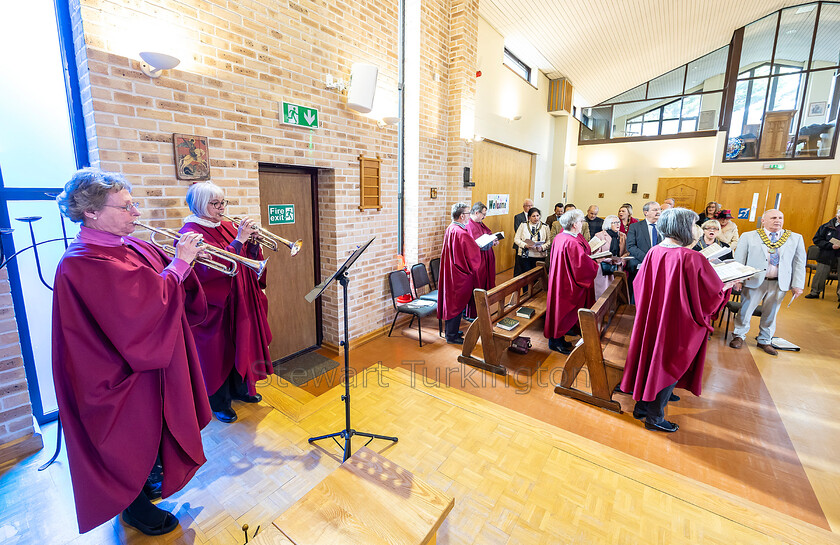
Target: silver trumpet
230 261
267 239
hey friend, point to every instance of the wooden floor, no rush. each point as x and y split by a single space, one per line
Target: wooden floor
754 461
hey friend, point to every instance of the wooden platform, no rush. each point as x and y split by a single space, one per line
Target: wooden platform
368 500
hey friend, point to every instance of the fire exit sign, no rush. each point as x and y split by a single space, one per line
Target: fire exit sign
281 214
295 114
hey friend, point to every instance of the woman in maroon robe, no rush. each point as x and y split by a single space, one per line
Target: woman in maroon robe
459 261
486 272
677 291
571 281
125 366
233 340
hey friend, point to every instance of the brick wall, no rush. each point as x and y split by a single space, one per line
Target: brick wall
15 410
242 58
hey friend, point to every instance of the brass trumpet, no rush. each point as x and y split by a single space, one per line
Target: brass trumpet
267 239
231 260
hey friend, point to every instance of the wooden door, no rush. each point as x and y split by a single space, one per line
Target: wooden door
801 203
736 194
687 192
502 170
295 324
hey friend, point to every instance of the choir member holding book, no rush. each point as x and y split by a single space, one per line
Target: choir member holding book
485 275
459 261
570 281
677 292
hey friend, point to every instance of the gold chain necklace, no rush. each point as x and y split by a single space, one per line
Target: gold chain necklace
772 246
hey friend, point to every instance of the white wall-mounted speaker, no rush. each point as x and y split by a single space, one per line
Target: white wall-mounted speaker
362 87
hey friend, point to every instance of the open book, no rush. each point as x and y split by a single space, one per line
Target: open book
599 255
733 270
489 238
714 251
595 243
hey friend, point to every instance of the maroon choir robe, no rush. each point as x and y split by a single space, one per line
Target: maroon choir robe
571 283
486 272
459 261
236 332
126 373
677 292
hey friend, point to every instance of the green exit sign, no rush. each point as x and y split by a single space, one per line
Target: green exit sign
774 166
281 214
295 114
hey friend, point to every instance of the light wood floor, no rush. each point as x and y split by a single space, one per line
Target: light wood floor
515 479
754 458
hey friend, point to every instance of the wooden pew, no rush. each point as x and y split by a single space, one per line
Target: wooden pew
605 338
495 304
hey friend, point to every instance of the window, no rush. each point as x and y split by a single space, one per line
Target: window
685 100
512 61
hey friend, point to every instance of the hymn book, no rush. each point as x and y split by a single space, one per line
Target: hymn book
508 324
599 255
834 241
714 251
489 238
595 243
734 271
525 312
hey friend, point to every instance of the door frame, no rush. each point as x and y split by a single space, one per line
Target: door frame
313 172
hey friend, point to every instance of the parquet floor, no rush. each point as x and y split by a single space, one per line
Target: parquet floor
754 461
516 479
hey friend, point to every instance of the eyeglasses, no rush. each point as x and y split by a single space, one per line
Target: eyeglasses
218 205
128 207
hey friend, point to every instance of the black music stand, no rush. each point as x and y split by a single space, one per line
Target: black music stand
343 278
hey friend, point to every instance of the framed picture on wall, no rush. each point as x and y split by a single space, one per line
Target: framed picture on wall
816 108
707 120
192 161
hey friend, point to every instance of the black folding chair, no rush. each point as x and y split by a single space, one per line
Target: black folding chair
811 260
421 280
434 265
398 282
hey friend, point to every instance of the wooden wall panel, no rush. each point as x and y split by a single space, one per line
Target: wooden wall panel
503 170
687 192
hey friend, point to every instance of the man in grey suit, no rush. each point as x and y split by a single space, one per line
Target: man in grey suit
780 256
642 235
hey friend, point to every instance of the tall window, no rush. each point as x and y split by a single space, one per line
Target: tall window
785 93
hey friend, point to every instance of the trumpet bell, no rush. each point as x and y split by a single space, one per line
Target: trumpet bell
295 248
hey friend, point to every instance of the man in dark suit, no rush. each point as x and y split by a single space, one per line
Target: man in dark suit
595 223
642 236
518 220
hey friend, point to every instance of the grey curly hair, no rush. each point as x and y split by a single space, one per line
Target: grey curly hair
87 191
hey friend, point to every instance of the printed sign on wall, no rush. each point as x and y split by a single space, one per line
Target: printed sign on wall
281 214
497 205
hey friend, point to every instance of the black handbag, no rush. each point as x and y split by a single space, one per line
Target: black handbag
520 345
609 268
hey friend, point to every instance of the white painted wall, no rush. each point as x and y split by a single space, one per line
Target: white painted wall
500 95
613 168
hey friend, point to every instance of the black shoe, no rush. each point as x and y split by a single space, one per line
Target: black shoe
639 415
169 523
674 397
562 348
455 340
812 296
248 399
227 415
668 427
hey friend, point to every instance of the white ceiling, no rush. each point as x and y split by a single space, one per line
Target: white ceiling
606 47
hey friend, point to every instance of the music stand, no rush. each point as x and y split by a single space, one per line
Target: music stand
343 278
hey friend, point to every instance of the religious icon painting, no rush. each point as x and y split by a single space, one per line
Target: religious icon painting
192 161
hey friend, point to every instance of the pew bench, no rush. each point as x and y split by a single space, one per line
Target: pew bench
495 304
367 500
605 339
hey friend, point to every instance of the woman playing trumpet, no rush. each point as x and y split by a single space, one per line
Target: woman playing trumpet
125 365
233 340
